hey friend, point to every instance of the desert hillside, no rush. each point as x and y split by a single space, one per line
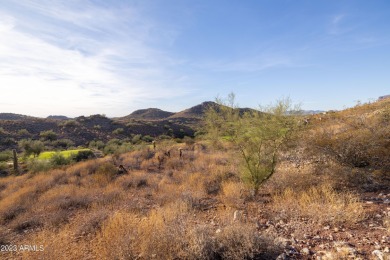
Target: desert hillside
328 198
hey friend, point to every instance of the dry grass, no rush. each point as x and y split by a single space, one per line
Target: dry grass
183 208
232 194
322 204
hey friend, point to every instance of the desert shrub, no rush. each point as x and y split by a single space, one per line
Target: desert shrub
62 143
83 168
91 223
96 144
49 135
31 147
83 155
164 229
3 167
26 222
53 220
23 132
356 141
212 186
322 204
16 203
118 237
118 131
36 165
232 194
136 139
65 197
239 241
70 123
105 173
147 138
58 159
116 146
8 141
5 156
201 244
258 136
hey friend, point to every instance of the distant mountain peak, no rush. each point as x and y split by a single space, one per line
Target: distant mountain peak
149 113
12 116
58 117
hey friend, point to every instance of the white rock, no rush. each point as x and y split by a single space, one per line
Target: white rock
237 215
378 254
305 251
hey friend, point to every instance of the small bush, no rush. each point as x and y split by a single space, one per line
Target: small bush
49 135
5 156
232 194
23 132
70 123
322 204
105 173
118 131
58 159
83 155
37 165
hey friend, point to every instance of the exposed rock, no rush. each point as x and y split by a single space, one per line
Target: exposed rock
305 251
379 254
282 242
282 257
237 215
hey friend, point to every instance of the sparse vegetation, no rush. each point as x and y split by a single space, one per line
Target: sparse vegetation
189 200
31 147
258 136
49 135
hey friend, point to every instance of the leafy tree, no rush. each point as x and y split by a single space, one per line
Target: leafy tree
258 135
34 147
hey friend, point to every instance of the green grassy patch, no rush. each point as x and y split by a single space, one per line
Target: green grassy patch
68 153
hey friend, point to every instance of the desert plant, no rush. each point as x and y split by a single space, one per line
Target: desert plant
48 135
23 132
322 204
257 135
63 143
36 165
5 156
118 131
58 159
31 147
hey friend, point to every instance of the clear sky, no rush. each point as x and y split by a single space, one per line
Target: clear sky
86 57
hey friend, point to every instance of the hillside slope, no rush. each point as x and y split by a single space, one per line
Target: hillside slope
148 114
191 203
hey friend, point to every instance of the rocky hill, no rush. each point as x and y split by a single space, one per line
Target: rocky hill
328 198
12 116
81 130
58 117
149 114
195 111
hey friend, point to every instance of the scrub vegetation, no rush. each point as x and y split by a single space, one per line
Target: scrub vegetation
252 185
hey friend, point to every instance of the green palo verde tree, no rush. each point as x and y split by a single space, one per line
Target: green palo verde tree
258 135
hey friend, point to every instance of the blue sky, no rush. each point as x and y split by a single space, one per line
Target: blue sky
112 57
